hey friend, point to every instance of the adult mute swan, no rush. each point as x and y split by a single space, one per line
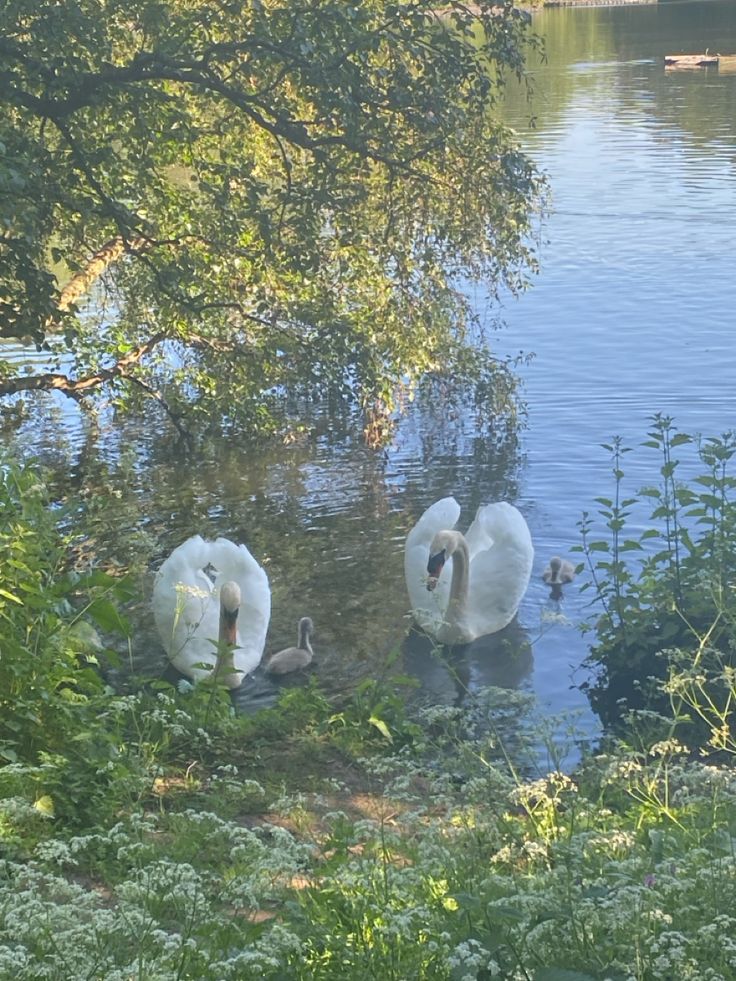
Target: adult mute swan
464 586
293 658
198 619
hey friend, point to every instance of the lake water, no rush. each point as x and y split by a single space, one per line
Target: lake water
631 314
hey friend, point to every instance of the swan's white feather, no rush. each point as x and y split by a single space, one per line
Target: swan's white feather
186 606
428 607
501 556
500 572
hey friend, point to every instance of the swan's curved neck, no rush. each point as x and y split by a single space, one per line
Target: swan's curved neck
302 639
460 574
227 639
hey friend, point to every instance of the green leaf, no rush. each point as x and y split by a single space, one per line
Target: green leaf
10 596
506 913
382 727
106 615
45 805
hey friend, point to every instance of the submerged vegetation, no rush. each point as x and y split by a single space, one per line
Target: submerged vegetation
155 834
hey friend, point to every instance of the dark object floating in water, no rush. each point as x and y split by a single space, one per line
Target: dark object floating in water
692 60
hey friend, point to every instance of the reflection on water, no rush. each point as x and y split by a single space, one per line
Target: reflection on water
630 315
448 675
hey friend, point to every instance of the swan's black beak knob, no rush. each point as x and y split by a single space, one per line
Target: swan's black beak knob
434 568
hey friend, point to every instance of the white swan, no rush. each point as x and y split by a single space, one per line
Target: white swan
464 586
196 617
293 658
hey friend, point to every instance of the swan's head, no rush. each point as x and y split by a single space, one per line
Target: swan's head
443 545
306 626
552 574
555 564
229 606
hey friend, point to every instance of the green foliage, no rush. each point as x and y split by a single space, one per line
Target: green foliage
680 595
57 722
376 711
624 872
287 195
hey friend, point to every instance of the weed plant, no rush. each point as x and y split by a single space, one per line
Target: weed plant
676 605
626 871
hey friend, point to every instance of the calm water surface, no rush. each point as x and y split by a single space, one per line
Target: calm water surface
631 314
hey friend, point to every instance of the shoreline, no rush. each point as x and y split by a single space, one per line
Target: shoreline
598 3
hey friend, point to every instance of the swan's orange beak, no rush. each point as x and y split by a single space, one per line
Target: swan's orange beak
434 569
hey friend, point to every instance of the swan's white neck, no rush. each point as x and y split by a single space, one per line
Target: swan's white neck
227 637
302 638
460 577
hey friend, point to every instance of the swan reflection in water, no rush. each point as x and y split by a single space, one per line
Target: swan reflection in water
448 674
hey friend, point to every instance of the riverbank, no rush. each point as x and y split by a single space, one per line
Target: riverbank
598 3
315 847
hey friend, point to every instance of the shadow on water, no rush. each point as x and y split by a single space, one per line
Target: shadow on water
449 675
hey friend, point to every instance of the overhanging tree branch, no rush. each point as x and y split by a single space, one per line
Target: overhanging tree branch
55 382
110 252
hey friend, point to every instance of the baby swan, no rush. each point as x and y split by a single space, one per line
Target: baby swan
558 572
293 658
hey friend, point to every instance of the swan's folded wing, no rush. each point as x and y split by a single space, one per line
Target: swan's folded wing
499 575
439 516
428 607
181 599
478 536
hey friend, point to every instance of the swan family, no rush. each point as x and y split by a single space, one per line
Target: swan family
212 600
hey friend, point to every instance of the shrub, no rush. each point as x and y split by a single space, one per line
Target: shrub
681 596
58 726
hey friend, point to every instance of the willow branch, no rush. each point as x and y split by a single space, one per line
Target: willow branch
110 252
77 389
175 417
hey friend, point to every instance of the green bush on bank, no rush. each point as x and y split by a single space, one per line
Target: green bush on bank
625 872
673 610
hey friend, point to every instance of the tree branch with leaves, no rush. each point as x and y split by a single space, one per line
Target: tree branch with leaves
268 195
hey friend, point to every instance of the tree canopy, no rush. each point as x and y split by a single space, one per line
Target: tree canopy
209 202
